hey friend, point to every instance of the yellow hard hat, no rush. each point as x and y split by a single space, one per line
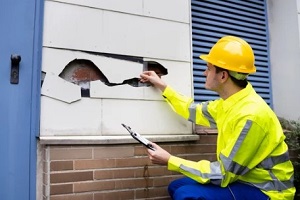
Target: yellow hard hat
231 53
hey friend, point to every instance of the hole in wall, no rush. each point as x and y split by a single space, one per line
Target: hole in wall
147 66
82 71
155 66
43 74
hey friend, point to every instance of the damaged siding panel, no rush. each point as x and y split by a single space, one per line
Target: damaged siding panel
99 90
54 60
116 71
177 12
179 75
112 32
72 28
57 88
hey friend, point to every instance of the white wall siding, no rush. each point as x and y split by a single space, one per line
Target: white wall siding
83 28
104 117
79 118
174 10
298 11
284 57
146 117
149 30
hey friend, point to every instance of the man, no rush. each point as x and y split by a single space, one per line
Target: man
252 157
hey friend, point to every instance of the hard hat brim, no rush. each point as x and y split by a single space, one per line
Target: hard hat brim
207 58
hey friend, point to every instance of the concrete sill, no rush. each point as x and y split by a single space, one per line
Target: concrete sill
67 140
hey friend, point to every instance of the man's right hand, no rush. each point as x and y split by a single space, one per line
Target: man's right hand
152 77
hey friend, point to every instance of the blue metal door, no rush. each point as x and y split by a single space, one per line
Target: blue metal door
21 31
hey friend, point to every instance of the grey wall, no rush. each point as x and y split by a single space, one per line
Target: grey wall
284 57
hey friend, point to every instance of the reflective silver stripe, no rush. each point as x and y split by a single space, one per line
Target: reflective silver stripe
270 162
275 185
215 173
192 110
233 167
216 181
208 115
228 162
215 170
192 117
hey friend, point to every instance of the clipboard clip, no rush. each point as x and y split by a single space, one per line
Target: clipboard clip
139 138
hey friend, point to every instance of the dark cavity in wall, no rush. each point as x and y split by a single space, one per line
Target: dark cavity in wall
82 71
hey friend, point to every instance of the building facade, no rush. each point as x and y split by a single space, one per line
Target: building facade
83 84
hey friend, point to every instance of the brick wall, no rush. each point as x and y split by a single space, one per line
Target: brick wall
98 172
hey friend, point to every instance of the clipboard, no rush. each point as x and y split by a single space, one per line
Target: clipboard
139 138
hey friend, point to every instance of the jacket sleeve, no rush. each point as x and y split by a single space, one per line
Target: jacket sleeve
202 171
185 106
239 155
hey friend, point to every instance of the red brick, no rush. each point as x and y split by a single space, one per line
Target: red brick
104 174
94 164
113 152
133 162
133 183
208 139
94 186
61 165
129 175
182 149
73 197
152 192
114 195
67 153
61 189
71 177
162 181
154 171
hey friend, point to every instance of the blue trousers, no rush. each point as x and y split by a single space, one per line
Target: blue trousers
188 189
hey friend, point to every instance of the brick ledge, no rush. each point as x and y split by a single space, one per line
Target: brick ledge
62 140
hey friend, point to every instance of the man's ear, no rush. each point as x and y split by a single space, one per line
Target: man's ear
224 76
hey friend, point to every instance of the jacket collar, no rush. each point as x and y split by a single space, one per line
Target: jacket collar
237 97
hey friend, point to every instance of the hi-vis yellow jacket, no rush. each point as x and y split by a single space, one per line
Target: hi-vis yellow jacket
250 144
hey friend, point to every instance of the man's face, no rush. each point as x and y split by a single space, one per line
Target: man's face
212 78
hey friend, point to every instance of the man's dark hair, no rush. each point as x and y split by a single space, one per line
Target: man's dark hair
240 83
